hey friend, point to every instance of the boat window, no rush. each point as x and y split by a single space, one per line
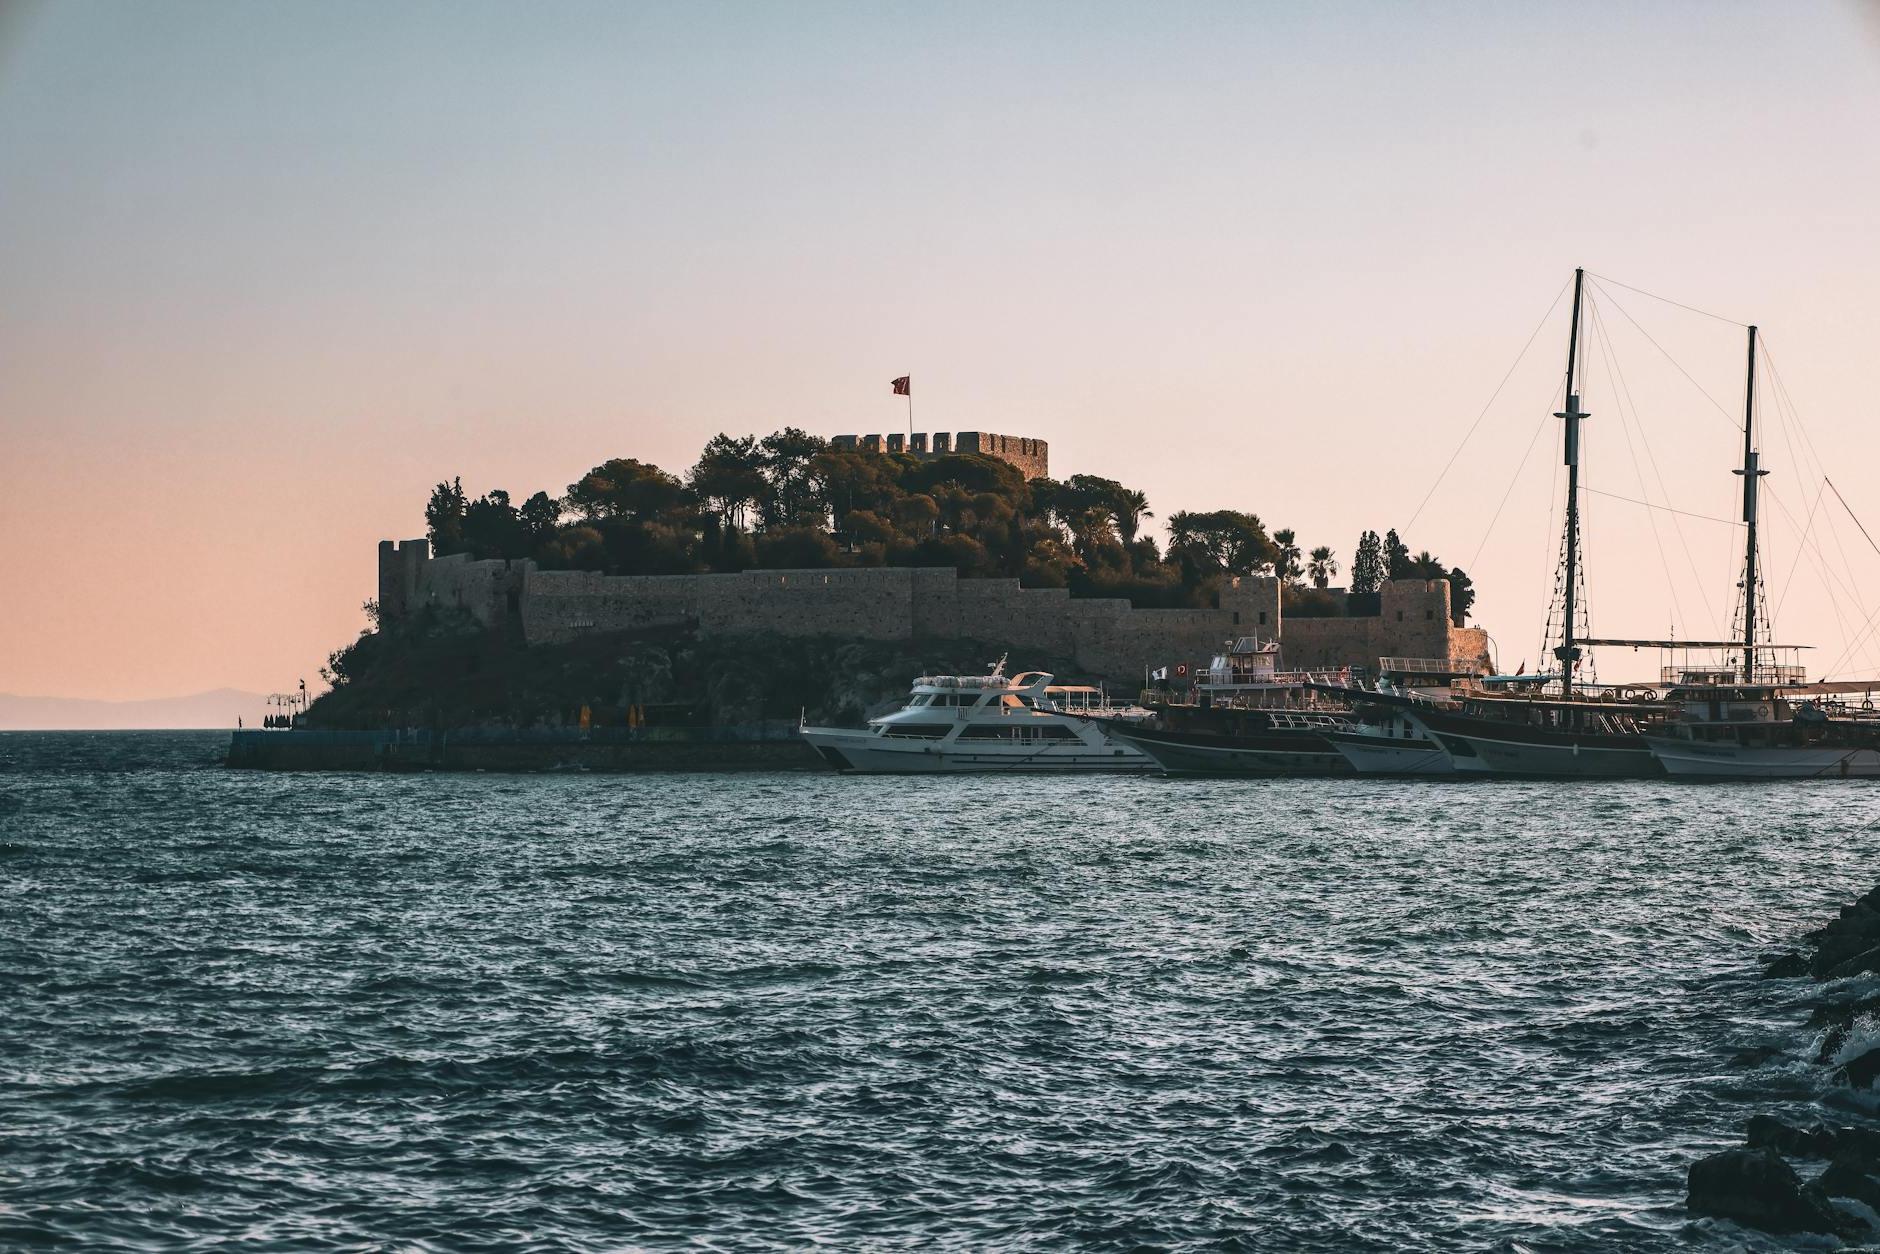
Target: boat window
919 731
1056 731
987 731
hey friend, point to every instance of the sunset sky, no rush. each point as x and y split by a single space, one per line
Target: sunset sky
269 271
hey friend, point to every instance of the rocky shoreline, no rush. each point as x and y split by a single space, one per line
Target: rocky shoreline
1836 1190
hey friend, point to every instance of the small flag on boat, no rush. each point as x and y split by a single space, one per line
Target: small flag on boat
1159 674
1523 669
903 386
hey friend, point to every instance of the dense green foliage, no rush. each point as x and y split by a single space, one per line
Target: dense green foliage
791 500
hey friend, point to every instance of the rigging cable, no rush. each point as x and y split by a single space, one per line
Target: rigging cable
1797 563
1667 300
1668 357
1532 440
1622 397
1786 404
1786 409
1850 513
1665 509
1828 574
1521 356
1870 622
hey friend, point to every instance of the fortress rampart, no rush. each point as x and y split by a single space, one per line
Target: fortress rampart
1105 635
1032 457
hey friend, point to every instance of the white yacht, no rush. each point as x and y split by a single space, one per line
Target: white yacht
971 723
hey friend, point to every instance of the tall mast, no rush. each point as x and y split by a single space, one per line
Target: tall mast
1750 474
1568 653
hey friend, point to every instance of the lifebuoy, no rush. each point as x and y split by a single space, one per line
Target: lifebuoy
1181 669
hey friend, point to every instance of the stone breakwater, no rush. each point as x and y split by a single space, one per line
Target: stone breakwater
1822 1177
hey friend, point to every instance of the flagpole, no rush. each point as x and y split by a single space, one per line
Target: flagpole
910 410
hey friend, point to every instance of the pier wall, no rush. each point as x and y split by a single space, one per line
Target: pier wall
1105 635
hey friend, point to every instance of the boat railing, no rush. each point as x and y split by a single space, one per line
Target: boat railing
1421 666
1726 677
1227 677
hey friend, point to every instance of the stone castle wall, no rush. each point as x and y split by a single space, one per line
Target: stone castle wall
1105 635
1414 621
1032 457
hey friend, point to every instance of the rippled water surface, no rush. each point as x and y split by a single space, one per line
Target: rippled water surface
595 1012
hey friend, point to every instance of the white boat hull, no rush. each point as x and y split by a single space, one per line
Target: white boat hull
864 752
1480 751
1685 759
1370 755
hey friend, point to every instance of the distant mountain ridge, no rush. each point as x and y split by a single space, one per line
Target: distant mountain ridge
219 707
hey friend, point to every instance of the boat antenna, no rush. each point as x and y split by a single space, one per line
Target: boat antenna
998 667
1568 652
1751 473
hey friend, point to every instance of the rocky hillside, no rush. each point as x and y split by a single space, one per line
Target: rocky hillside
441 672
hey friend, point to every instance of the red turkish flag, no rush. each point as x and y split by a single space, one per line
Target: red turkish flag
903 386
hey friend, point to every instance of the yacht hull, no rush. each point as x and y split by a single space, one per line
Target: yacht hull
1257 753
1684 759
865 753
1479 746
1376 755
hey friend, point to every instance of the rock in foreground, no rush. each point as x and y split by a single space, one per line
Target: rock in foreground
1756 1187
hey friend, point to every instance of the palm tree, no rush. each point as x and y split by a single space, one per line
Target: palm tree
1286 563
1130 507
1322 567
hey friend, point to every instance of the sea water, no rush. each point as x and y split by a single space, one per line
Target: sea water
488 1012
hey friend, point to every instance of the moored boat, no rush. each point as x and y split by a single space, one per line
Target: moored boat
1598 735
981 723
1772 731
1246 716
1383 740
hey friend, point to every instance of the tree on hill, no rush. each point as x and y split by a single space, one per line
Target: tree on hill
1220 542
1367 565
625 487
1396 557
1321 567
787 460
1461 596
790 499
541 514
1286 555
1130 507
443 517
492 527
730 479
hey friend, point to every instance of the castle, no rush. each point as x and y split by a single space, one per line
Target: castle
1032 457
1105 635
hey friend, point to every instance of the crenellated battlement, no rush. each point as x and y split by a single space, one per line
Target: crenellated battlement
1031 457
